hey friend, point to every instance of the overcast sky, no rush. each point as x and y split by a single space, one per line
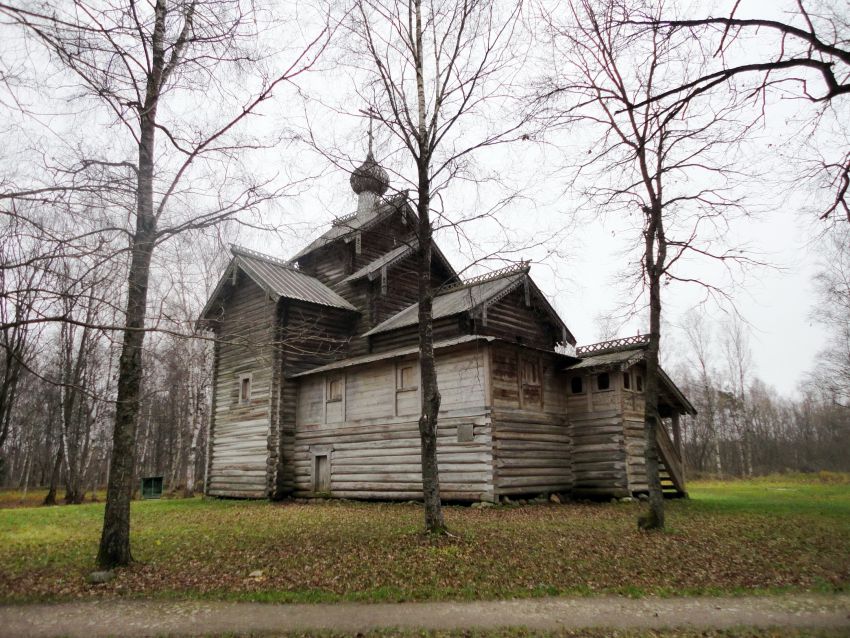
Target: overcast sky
581 264
583 273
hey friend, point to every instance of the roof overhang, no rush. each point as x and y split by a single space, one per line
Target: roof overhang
307 289
411 350
623 359
390 354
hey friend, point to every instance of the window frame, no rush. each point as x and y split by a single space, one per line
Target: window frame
537 365
329 381
401 390
582 386
241 399
399 377
598 375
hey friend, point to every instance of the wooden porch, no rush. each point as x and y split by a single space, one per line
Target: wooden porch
671 467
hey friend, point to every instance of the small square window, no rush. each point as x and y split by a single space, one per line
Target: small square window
603 381
577 385
465 433
335 389
627 380
245 389
406 377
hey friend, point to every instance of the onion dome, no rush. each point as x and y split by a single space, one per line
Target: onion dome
370 177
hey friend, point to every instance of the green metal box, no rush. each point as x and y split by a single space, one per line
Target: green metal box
151 487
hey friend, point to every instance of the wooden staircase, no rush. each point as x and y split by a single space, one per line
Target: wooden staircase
670 467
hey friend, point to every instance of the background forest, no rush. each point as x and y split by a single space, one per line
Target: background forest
58 389
80 211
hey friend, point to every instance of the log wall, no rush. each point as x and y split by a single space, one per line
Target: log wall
510 318
599 443
240 432
374 448
532 443
443 328
311 336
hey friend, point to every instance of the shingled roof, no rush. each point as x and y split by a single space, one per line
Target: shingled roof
278 279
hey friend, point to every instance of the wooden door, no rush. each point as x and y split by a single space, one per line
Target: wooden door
322 475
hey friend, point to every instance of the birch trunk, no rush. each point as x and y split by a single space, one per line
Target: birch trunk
434 522
654 259
114 547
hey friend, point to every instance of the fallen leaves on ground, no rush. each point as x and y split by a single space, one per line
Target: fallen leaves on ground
375 552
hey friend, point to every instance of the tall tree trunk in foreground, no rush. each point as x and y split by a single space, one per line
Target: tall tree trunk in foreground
654 264
434 522
115 539
435 64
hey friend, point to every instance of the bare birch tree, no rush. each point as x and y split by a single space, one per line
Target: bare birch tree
640 160
154 69
804 55
433 66
833 313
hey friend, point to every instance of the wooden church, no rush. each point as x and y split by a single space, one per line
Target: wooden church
316 387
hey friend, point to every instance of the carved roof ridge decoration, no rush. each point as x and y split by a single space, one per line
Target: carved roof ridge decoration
235 249
613 345
345 226
522 266
344 219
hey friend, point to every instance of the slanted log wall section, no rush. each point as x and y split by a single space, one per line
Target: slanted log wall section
510 318
240 433
374 448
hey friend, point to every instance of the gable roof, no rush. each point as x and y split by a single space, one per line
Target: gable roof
278 279
465 297
621 354
461 299
350 224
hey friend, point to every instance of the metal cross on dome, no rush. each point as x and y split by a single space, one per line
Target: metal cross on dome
372 115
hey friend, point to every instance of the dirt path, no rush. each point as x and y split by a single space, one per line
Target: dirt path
194 618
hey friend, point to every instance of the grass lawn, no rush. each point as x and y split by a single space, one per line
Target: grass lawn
737 537
519 632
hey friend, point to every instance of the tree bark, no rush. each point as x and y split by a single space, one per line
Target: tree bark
50 499
434 522
114 548
654 263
